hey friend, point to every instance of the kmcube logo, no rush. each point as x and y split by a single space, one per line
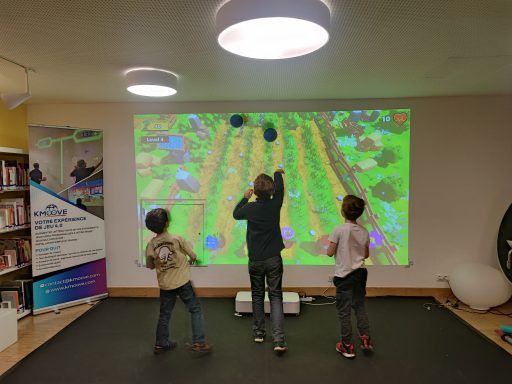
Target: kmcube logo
51 210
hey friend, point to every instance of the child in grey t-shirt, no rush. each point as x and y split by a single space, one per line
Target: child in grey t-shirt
350 243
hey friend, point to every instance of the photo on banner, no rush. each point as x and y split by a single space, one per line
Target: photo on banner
67 210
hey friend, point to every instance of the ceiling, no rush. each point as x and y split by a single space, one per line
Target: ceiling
80 50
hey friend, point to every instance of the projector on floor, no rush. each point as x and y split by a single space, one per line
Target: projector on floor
291 303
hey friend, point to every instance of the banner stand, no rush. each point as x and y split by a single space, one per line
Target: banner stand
67 210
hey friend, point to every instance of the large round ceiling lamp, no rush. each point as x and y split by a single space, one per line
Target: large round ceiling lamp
273 29
151 82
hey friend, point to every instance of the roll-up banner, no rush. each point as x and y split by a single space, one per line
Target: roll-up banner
66 204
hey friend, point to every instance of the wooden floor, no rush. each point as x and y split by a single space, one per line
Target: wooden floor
487 323
33 331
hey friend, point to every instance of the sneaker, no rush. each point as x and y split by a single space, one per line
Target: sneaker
199 347
158 349
280 347
366 343
347 350
259 338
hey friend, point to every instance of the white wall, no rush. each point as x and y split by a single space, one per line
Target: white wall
461 184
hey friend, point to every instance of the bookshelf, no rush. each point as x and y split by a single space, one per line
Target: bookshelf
17 189
14 269
15 249
15 229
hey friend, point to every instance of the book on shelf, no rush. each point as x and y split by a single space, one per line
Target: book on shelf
15 252
23 179
13 174
26 285
17 292
13 212
9 259
4 173
12 296
6 216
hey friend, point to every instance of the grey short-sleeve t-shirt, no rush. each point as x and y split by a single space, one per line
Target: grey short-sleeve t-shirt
352 240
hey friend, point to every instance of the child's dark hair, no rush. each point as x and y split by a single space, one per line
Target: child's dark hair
36 165
352 207
156 220
81 163
264 186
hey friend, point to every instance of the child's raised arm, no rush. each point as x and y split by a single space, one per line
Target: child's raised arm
239 213
279 186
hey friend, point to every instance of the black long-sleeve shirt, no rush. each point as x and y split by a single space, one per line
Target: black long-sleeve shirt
264 238
36 176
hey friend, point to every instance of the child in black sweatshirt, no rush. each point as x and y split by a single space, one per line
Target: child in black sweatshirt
264 243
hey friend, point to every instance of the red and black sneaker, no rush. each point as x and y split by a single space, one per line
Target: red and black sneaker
347 350
366 343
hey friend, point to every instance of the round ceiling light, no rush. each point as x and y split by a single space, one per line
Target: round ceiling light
151 82
273 29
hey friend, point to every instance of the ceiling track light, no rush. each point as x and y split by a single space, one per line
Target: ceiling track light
12 100
273 29
151 82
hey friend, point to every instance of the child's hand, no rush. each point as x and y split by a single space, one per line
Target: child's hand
192 261
248 193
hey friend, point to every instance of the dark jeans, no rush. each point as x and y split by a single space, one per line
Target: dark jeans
272 270
350 292
167 301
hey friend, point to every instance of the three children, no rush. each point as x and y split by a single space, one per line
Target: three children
349 243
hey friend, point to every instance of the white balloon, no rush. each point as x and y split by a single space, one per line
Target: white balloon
480 286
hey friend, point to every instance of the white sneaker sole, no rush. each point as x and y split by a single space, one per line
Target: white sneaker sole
346 355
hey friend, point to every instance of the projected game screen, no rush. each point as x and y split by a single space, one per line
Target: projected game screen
198 166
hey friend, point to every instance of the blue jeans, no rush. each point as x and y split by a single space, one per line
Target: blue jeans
272 270
167 301
350 293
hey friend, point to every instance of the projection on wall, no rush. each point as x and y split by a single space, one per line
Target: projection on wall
199 165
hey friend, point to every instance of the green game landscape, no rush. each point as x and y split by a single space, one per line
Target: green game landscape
198 166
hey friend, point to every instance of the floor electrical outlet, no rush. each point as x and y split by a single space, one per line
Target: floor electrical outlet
441 277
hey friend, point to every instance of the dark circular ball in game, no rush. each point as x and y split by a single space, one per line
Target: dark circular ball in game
236 121
270 134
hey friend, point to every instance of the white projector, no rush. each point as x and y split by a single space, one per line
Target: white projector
291 303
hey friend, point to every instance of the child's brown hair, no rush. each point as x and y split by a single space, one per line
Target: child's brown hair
157 220
352 207
264 186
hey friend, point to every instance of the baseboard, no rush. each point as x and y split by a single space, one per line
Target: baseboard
439 293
